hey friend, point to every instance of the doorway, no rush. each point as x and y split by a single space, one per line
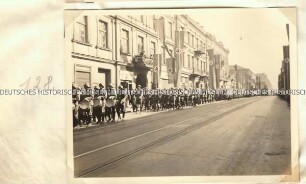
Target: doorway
142 80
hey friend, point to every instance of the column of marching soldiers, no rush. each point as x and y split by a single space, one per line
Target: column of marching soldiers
101 105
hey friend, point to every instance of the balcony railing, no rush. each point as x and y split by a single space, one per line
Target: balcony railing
199 51
196 72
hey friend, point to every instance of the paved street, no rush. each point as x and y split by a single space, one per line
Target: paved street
247 136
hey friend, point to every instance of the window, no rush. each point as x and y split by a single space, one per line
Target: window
124 41
81 30
82 75
169 30
192 61
188 61
198 64
102 35
192 40
152 48
194 65
142 19
188 37
205 68
140 44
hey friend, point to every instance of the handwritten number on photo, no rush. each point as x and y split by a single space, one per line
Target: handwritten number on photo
38 78
38 81
47 85
26 83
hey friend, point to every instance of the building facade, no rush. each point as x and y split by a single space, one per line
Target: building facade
245 78
284 76
262 81
147 50
218 64
194 70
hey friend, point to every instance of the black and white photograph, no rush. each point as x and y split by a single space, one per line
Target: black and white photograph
182 92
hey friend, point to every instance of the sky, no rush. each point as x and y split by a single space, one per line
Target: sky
254 36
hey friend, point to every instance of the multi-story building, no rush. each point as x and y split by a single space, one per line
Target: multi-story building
232 78
245 78
93 52
284 76
147 50
103 50
137 44
194 70
218 63
262 81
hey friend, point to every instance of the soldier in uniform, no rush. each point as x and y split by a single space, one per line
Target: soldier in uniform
195 99
139 99
97 110
133 102
84 110
190 98
154 99
164 101
121 102
75 102
171 99
186 97
110 105
146 101
102 95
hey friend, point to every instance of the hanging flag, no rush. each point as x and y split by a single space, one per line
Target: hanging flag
287 28
170 70
217 69
159 25
211 54
155 69
166 47
286 51
157 58
212 72
179 45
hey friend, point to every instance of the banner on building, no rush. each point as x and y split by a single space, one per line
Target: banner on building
178 55
217 69
170 69
157 58
160 28
287 28
286 51
212 77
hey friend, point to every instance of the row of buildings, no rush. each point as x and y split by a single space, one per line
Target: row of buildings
284 75
245 78
150 50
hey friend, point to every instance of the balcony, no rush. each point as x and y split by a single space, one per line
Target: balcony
199 51
142 62
196 72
